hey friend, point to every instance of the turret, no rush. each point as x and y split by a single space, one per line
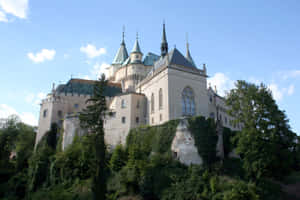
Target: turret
122 54
136 53
188 54
164 43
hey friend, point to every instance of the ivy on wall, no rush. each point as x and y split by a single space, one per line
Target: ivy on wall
205 135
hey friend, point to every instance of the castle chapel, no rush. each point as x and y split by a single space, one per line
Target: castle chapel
143 89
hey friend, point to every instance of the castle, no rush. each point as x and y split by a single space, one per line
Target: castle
142 90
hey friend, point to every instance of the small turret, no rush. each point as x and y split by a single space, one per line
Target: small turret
136 53
188 54
164 43
122 53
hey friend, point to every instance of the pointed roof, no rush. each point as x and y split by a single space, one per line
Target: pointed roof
175 57
122 53
136 47
164 43
150 59
188 55
164 37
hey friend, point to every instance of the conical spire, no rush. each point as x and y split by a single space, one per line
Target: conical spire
188 55
122 53
136 47
164 43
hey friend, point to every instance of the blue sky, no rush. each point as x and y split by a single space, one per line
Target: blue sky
42 42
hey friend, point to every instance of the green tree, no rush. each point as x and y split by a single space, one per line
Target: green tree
266 138
92 119
118 159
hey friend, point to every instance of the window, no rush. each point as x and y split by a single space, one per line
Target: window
113 114
123 120
123 103
210 98
138 104
152 120
212 115
45 113
76 105
59 113
152 103
160 94
137 120
188 102
225 120
160 117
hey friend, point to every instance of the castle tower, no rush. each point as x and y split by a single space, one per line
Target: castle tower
136 53
164 43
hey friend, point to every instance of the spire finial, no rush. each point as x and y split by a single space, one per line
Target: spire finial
164 43
123 35
137 35
187 41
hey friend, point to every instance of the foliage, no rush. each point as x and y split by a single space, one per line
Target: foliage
92 119
15 138
153 139
266 138
228 141
76 162
118 159
204 133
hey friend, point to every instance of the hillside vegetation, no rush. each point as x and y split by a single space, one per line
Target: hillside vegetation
145 168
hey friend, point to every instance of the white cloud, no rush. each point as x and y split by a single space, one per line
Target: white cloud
290 74
99 69
35 99
91 51
3 17
26 117
279 93
222 82
18 8
43 55
276 92
290 90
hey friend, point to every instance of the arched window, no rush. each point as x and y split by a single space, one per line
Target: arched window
152 102
160 96
188 102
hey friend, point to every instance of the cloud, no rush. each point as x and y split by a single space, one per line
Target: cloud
99 69
42 56
278 92
3 17
35 99
290 74
290 90
222 82
18 8
91 51
26 117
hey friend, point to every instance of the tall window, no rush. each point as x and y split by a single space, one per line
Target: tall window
123 103
160 94
188 102
152 102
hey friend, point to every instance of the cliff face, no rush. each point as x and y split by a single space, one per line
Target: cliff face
183 145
